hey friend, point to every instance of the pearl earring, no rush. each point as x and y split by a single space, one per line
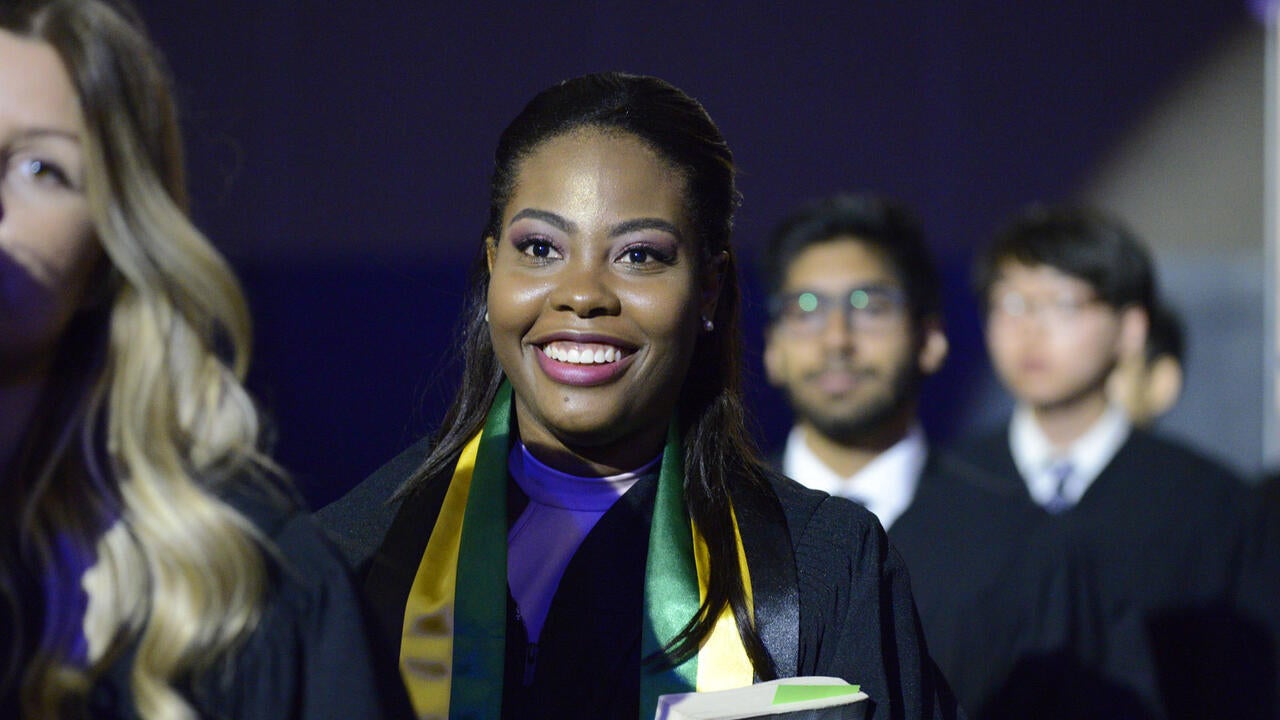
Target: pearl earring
486 316
707 324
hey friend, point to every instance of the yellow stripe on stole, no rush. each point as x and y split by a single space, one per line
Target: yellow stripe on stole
426 644
722 660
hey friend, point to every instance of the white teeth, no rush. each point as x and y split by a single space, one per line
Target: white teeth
582 355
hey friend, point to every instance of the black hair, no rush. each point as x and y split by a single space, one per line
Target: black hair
719 450
1082 242
1165 334
887 226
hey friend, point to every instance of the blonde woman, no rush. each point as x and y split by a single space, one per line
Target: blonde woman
152 561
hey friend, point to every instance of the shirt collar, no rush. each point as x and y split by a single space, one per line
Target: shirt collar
549 486
1089 455
885 486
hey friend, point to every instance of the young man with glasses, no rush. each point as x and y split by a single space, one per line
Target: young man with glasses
855 328
854 331
1146 531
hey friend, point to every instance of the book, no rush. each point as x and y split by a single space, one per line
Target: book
798 698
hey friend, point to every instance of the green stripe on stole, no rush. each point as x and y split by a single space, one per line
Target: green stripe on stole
480 612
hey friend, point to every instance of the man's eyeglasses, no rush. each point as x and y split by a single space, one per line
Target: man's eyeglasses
1055 308
872 308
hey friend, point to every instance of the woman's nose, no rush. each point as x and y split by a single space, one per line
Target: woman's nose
584 289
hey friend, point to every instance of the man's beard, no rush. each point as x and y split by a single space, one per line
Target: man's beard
850 425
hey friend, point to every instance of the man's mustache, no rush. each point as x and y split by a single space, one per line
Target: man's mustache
841 366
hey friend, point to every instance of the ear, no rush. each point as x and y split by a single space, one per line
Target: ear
490 251
712 281
933 346
773 359
1132 341
1124 388
1164 385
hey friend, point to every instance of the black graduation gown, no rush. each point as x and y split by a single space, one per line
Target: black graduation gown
1121 606
832 598
1259 593
957 536
585 655
310 656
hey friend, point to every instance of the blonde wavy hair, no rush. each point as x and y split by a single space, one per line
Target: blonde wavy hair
145 421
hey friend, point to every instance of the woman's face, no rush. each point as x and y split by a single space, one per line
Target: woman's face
596 295
47 246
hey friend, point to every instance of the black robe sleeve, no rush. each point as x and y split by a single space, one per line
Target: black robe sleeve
857 618
310 656
358 521
1258 596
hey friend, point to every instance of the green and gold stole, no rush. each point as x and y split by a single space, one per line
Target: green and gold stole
453 646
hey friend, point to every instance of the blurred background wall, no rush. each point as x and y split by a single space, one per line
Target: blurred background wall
340 153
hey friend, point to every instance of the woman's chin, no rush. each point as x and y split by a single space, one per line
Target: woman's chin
594 445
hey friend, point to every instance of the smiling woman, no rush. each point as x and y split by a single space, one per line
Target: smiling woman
591 526
595 257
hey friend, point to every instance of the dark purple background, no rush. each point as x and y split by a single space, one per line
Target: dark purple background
339 154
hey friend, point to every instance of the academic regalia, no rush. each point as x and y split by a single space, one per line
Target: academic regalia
309 656
1121 606
599 596
1259 594
957 536
831 596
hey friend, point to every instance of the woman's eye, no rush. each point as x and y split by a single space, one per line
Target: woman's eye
537 248
42 171
642 255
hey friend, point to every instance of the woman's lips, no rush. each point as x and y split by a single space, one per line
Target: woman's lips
582 363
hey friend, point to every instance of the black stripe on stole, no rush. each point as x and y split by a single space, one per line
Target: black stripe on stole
772 564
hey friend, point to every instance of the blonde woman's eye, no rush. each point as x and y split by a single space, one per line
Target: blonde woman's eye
43 171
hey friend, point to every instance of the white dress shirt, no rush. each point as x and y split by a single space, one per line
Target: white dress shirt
1036 457
885 486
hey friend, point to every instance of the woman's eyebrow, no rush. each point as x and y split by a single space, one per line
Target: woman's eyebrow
32 133
629 226
561 223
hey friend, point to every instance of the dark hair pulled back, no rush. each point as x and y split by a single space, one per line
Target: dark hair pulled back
719 450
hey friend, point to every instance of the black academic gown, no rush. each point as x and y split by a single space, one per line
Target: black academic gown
831 597
1121 606
957 536
309 657
1259 593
